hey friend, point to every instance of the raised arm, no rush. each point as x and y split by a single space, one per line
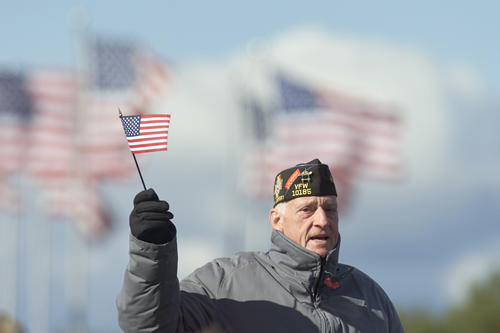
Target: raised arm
149 300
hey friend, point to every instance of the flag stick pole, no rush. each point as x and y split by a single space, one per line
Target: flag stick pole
139 170
135 160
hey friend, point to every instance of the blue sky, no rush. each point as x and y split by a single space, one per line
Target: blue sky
438 59
465 31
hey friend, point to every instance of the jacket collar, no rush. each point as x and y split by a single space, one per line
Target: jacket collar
302 266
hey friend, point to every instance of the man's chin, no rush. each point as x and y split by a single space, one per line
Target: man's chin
321 247
321 251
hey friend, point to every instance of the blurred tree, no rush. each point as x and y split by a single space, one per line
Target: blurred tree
478 313
481 310
9 325
419 320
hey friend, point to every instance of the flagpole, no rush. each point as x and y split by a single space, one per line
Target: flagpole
77 272
135 160
139 170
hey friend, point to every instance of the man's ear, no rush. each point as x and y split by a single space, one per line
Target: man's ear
275 220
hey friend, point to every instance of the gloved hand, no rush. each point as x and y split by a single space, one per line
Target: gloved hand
150 218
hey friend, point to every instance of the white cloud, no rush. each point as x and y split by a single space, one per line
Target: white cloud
194 252
201 107
465 81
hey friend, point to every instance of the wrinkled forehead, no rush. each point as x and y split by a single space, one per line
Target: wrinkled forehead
326 199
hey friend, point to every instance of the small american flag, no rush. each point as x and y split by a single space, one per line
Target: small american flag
125 73
146 133
54 159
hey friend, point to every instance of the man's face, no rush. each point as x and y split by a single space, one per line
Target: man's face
311 222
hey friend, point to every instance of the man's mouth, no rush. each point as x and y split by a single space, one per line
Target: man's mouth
319 238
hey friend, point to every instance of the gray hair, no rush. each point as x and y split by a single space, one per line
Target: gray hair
281 207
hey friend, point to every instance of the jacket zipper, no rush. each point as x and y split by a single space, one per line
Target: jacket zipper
316 298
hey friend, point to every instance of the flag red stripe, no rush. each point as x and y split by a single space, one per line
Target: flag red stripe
147 139
145 116
152 133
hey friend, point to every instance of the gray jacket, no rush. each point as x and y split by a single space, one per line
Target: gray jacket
287 289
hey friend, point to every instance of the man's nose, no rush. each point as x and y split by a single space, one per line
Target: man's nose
320 218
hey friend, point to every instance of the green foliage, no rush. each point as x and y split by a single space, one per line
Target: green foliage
419 320
479 313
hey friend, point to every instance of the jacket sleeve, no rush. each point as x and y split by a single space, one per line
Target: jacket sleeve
395 325
393 322
149 298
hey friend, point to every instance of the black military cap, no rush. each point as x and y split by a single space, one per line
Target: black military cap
305 179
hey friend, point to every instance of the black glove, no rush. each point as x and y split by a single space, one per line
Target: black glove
150 219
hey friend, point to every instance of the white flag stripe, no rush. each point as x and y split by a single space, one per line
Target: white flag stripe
58 169
52 149
159 119
56 109
282 151
12 132
48 139
328 136
320 124
147 136
10 163
11 148
332 119
50 124
166 124
337 156
341 113
152 130
146 142
360 121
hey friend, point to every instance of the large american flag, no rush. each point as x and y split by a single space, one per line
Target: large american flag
73 140
53 94
15 111
356 137
54 160
121 74
146 133
15 114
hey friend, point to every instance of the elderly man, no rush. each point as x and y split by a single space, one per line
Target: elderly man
297 286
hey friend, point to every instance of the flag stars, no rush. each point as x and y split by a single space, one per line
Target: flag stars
131 125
